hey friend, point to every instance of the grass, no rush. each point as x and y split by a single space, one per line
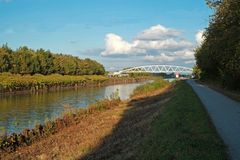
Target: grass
147 89
183 131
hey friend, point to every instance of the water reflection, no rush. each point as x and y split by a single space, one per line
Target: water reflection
25 111
124 92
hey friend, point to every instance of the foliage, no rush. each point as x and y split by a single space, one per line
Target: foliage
139 74
213 3
115 95
158 83
196 72
219 55
13 82
29 61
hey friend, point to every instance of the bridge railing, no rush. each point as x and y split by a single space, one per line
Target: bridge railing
158 69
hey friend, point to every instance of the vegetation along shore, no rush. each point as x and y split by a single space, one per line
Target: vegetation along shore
28 70
156 123
16 83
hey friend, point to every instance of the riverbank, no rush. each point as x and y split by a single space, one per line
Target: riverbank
83 117
18 84
169 118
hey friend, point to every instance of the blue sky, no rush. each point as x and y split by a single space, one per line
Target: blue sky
118 33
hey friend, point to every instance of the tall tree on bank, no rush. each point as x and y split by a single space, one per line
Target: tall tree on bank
29 61
5 58
219 55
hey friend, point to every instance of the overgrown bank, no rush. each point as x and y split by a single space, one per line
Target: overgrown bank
71 116
10 83
108 112
159 123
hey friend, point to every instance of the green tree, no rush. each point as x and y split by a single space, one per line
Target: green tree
23 58
197 72
5 58
46 61
28 61
219 55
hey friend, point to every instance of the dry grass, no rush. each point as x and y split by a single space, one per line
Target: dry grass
68 118
110 134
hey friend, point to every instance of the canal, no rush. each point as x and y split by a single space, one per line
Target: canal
25 111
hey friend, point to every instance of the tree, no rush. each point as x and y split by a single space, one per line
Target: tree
28 61
5 58
23 60
213 3
46 61
197 72
219 56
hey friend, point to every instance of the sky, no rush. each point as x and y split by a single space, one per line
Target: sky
117 33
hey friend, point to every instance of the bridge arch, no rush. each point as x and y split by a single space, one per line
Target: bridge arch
158 69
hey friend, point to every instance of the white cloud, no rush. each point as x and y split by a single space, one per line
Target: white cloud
115 45
155 44
150 39
158 32
190 62
199 37
166 45
185 54
172 56
160 58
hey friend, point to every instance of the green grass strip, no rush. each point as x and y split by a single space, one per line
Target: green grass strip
158 83
183 131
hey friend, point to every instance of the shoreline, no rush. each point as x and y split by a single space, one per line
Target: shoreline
40 119
69 118
75 85
157 121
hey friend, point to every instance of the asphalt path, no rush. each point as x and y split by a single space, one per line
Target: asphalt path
225 115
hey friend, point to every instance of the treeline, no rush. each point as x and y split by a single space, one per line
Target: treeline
218 58
29 61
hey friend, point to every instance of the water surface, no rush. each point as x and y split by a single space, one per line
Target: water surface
25 111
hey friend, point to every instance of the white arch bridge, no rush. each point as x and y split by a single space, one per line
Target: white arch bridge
158 69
